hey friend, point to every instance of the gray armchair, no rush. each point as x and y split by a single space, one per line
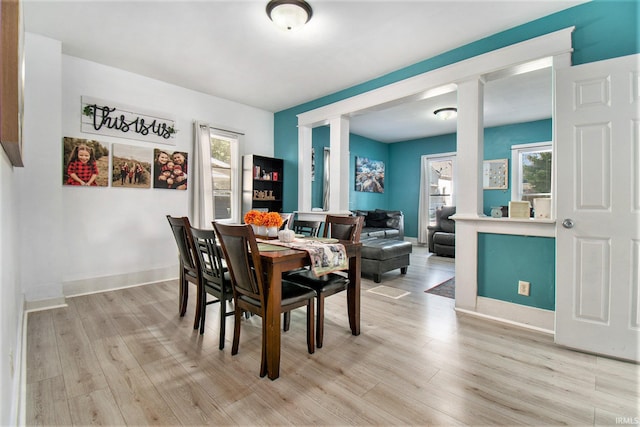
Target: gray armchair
442 236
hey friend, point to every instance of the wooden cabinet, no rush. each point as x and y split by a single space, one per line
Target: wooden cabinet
262 179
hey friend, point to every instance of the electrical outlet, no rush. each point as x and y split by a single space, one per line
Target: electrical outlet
523 288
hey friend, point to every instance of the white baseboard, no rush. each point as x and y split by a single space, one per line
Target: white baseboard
514 314
44 304
19 385
120 281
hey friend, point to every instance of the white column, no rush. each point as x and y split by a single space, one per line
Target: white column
558 62
470 147
304 168
339 164
469 200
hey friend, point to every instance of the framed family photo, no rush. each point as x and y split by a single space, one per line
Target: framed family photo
85 163
131 166
170 169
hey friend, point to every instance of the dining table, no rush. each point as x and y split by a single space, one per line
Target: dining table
274 263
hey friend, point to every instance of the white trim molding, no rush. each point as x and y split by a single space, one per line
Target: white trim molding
523 316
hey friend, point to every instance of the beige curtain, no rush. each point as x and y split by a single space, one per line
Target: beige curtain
201 206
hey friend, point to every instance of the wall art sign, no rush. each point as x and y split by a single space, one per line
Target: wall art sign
115 119
369 175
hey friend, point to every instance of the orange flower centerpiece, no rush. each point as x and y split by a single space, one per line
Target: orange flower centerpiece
273 221
264 223
255 218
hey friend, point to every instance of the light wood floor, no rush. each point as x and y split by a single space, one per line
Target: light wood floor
125 357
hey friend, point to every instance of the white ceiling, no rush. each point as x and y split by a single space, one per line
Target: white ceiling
230 49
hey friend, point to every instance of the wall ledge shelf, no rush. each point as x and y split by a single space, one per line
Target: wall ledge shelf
515 226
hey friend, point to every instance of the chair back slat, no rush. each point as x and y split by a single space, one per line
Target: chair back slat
209 254
343 227
308 228
243 259
182 233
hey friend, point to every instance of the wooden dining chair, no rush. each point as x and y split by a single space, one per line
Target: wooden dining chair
337 227
308 228
249 285
189 264
216 280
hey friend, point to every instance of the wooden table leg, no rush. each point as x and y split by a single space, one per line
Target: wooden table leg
272 319
353 293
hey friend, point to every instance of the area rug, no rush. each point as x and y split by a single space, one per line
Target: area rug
444 289
388 291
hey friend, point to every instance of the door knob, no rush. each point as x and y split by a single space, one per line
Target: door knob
568 223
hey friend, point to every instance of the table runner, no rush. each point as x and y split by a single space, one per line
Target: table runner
325 257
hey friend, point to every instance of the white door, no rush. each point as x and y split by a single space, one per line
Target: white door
440 171
598 207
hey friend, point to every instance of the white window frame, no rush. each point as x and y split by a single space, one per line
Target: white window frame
236 187
516 166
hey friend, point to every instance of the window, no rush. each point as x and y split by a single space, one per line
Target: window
531 171
224 174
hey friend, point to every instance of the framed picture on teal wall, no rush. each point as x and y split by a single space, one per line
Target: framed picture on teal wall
495 174
369 175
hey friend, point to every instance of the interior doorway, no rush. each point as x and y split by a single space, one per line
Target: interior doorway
437 188
441 184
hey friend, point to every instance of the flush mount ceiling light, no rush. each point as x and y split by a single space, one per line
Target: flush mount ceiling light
446 113
289 14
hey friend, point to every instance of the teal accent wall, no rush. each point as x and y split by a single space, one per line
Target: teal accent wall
497 145
404 175
505 259
359 146
603 29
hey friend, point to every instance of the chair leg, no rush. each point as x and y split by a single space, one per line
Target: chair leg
223 318
203 312
287 321
184 295
320 315
236 330
310 332
263 357
199 310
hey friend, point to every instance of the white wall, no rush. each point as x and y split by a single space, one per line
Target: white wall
10 293
103 238
21 192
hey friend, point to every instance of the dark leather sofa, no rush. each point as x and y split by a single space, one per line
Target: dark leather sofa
383 245
442 236
382 224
